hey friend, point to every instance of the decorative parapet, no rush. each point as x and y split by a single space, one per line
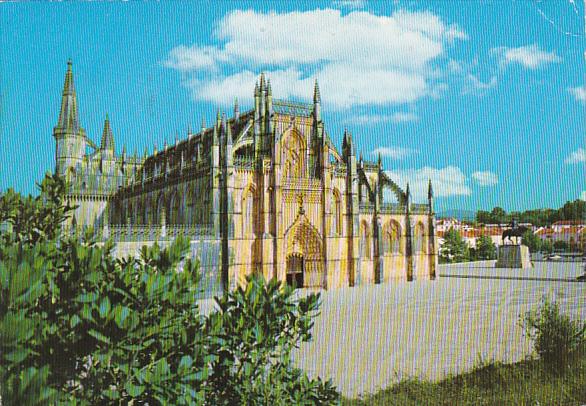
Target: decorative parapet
392 208
127 233
417 208
366 207
370 166
289 108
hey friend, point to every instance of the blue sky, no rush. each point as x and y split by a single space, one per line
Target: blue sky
486 98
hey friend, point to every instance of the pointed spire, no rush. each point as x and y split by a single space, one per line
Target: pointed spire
256 89
218 118
269 89
407 192
379 161
224 121
203 123
316 95
236 109
107 143
262 82
68 118
228 136
429 190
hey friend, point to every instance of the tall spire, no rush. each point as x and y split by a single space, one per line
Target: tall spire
236 109
262 82
68 119
316 95
429 190
107 136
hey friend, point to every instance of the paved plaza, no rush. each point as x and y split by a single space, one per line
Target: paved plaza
368 338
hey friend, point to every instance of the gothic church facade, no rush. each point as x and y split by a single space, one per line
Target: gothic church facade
264 191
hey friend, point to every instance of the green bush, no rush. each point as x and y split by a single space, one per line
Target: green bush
253 336
556 337
79 327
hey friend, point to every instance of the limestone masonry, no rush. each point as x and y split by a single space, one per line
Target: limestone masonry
263 191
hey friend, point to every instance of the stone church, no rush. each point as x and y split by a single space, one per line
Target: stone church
265 190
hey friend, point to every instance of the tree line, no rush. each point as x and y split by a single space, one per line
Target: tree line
574 211
456 249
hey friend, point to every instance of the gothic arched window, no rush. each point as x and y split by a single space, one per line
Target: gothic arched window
365 245
336 213
248 211
419 238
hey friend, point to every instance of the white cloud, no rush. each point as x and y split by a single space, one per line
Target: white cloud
448 181
576 157
473 85
187 59
350 4
394 152
583 195
404 117
359 58
397 118
485 178
578 92
529 56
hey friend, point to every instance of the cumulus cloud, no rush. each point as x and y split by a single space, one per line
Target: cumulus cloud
576 157
485 178
583 195
359 58
578 92
394 152
528 56
448 181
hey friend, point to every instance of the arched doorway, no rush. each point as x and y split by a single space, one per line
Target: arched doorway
295 270
304 258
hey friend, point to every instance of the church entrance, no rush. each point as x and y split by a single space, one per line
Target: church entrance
304 264
295 269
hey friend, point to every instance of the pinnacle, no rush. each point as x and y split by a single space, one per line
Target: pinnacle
107 136
316 94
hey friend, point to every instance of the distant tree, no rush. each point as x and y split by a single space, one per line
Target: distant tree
454 248
561 245
485 248
499 215
531 240
547 246
483 217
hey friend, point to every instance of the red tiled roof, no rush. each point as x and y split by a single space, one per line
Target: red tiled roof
568 223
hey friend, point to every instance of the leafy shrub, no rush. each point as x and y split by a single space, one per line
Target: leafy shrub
556 337
78 326
253 335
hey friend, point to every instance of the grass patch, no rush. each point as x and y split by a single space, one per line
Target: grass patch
529 382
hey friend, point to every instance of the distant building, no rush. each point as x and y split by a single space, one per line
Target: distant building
571 232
